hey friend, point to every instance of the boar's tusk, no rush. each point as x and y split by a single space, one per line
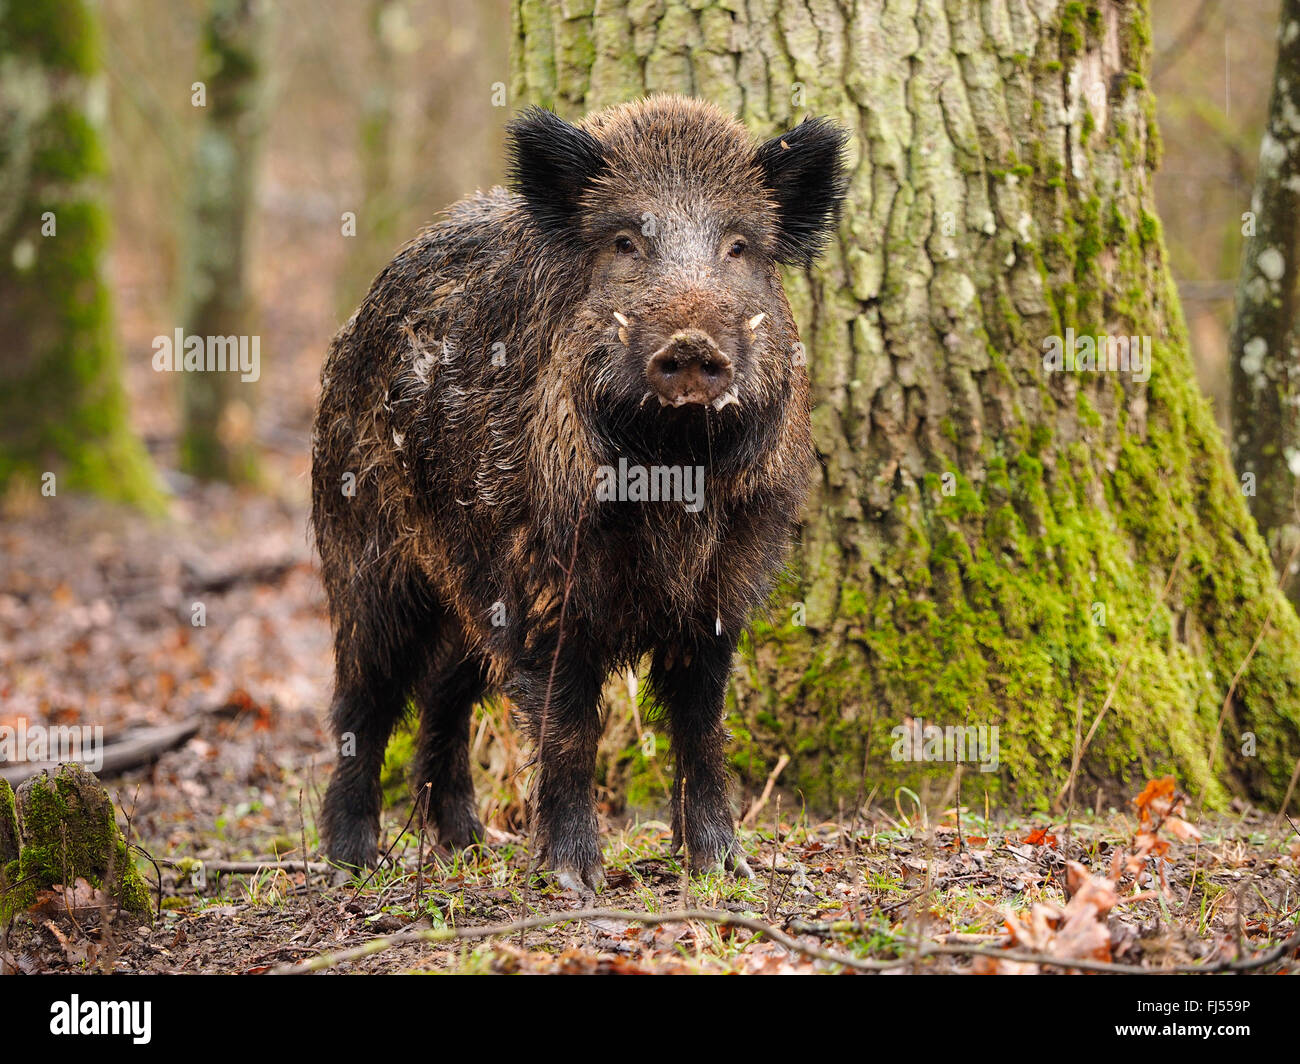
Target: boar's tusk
620 319
756 321
725 400
622 336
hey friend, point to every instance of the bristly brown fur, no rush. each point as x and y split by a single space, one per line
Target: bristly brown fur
473 398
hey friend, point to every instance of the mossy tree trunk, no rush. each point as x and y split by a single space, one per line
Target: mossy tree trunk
988 542
217 435
62 407
1265 346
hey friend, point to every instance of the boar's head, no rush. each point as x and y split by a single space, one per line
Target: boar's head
676 222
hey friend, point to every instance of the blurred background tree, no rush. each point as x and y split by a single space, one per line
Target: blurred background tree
1265 348
218 439
62 407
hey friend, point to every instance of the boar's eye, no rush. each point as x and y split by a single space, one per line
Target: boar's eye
624 245
737 249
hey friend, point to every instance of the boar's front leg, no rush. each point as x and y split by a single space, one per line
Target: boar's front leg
689 678
558 695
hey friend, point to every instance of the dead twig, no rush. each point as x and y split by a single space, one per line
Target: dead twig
752 816
306 865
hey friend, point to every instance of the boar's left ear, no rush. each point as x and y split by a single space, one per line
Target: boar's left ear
551 165
804 170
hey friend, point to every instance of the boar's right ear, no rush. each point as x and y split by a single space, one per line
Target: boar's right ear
551 165
804 170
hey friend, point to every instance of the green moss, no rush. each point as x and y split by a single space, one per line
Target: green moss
1074 22
60 34
1149 229
645 774
8 826
399 756
1088 414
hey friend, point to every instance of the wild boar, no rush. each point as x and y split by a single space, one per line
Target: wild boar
569 428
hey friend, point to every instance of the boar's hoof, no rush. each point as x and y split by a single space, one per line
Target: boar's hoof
733 862
737 864
581 881
353 851
728 857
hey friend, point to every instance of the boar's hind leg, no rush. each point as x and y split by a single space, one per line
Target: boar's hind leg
689 679
372 682
446 701
565 726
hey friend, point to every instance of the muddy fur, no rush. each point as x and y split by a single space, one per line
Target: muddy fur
496 364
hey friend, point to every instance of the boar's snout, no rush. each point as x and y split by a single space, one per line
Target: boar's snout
689 368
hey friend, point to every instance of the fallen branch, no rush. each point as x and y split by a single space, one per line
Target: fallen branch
246 868
198 581
724 919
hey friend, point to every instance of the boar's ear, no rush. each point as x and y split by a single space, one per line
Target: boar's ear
551 164
804 171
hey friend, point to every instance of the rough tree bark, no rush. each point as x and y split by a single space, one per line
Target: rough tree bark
217 436
62 408
1265 347
988 542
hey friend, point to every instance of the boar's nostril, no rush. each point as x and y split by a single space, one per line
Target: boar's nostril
689 369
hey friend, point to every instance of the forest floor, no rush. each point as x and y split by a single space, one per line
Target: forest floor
97 612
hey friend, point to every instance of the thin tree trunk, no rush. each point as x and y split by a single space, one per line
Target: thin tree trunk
423 137
63 414
217 436
1265 348
990 539
376 222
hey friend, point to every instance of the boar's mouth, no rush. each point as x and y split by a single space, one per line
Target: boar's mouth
713 435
